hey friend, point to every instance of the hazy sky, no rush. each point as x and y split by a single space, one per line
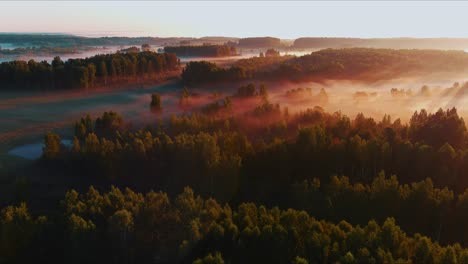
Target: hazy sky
285 19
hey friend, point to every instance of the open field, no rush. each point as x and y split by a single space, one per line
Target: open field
29 117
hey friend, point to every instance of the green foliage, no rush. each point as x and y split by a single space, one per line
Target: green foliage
231 158
125 224
266 157
201 71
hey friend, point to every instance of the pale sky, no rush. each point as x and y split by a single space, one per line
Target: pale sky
284 19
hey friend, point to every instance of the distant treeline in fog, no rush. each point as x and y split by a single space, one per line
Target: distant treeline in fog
38 51
84 73
259 42
61 40
202 50
364 64
395 43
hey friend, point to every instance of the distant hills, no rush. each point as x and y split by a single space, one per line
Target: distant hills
394 43
66 41
259 42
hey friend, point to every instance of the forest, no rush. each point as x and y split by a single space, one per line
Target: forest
259 42
37 51
231 159
124 226
202 50
233 132
215 185
360 64
99 70
235 176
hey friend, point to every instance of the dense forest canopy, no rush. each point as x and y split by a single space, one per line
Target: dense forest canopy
124 226
84 73
234 157
275 184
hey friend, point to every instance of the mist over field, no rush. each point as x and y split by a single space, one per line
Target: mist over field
30 116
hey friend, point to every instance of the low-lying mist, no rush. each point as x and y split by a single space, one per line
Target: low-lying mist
397 98
400 99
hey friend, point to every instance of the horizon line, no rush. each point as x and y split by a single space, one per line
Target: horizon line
90 35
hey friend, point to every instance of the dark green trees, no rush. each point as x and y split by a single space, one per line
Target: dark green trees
84 127
127 226
332 64
85 73
244 158
202 50
438 128
156 104
196 72
20 231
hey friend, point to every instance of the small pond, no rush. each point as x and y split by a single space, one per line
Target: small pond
33 151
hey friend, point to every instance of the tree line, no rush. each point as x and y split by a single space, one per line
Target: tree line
85 73
362 64
199 72
259 42
202 50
